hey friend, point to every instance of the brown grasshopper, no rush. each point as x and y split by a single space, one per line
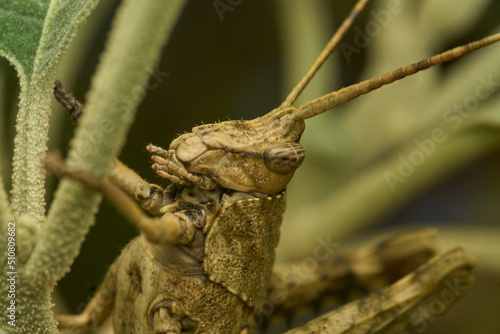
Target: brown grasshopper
204 262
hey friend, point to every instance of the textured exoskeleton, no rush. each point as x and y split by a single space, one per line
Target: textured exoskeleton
154 278
224 255
259 155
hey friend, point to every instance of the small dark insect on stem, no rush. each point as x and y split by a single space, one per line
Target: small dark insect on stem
67 100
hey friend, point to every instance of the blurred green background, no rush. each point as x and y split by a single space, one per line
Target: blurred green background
244 65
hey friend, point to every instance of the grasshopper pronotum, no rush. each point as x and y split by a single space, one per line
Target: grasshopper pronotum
172 315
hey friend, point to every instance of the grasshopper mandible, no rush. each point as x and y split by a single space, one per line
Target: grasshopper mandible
205 262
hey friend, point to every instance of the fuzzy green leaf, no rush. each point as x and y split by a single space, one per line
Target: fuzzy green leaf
115 93
21 24
35 35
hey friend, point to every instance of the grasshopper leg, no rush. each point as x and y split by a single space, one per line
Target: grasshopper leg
167 228
168 169
150 196
97 310
338 278
418 297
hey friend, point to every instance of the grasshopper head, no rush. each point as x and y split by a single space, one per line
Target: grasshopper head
259 155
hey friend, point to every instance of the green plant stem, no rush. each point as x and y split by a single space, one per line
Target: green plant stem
116 90
5 217
30 146
5 212
4 160
37 74
74 60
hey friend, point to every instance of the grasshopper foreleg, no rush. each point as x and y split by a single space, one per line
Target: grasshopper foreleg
150 196
169 227
169 170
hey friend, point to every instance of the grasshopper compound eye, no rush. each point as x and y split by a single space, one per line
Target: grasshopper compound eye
284 158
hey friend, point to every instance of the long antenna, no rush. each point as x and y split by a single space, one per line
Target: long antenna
332 44
329 101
